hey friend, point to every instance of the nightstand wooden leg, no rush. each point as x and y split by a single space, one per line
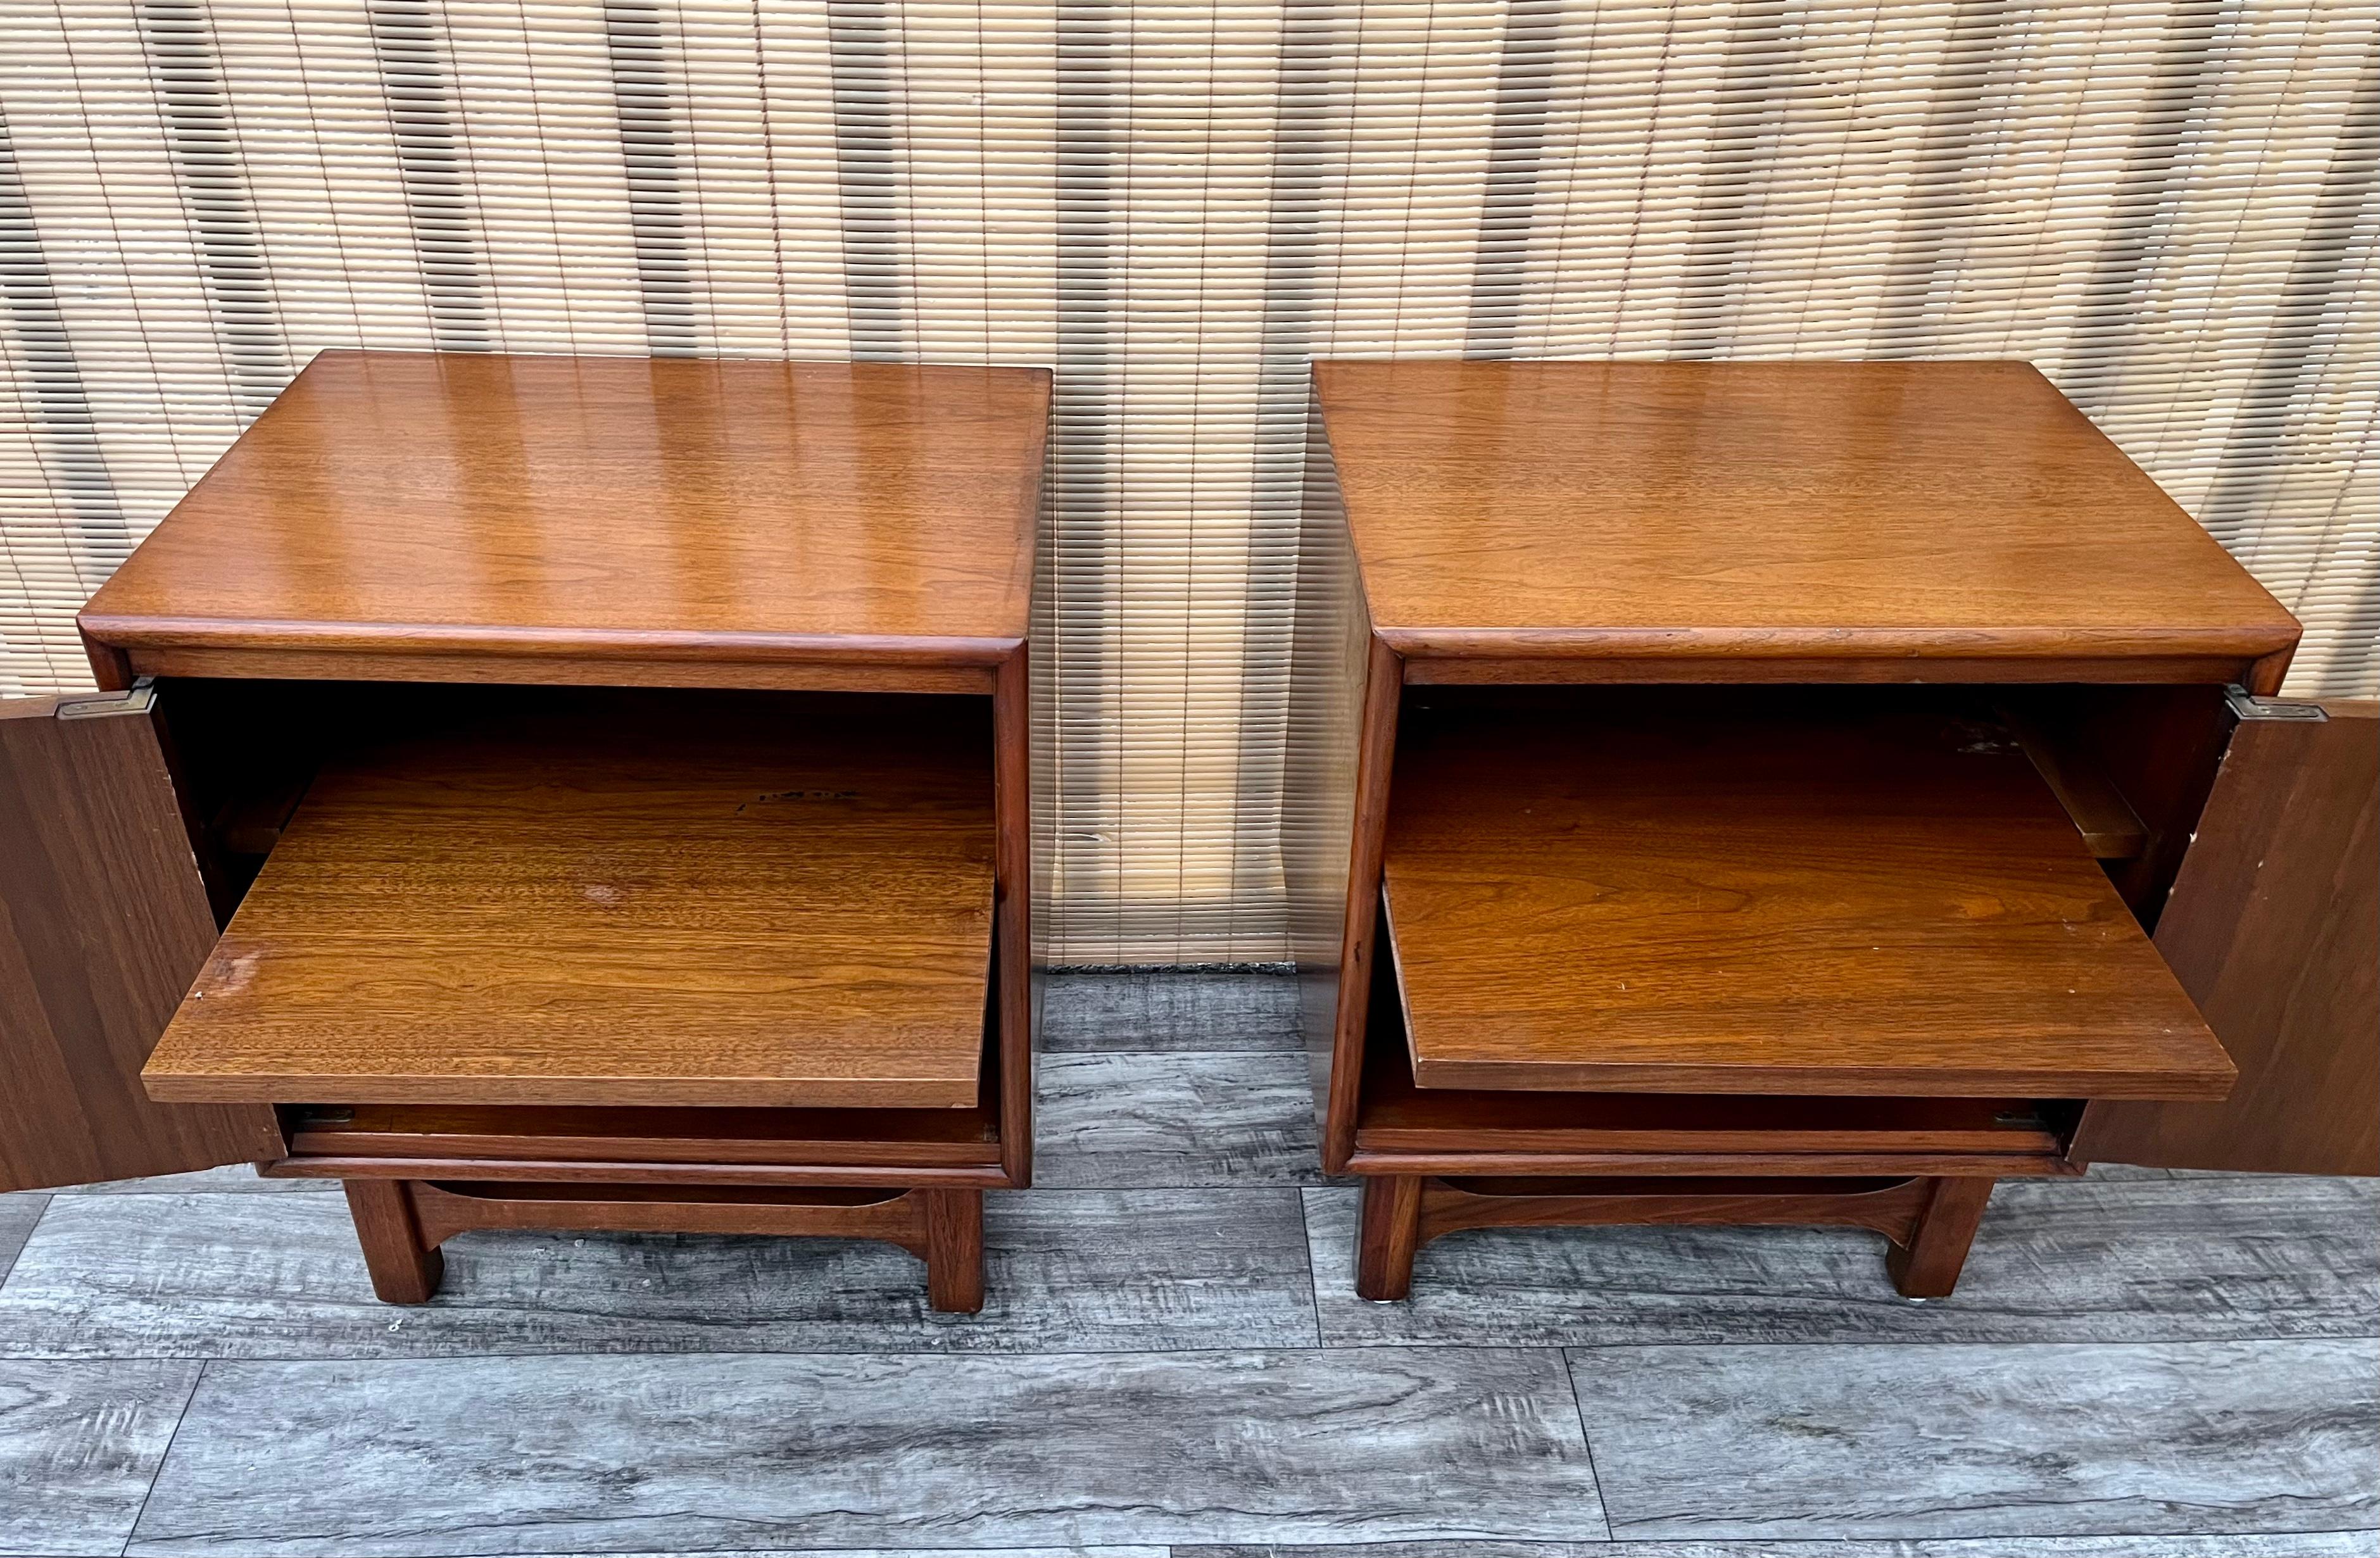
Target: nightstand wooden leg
405 1269
954 1249
1390 1232
1926 1264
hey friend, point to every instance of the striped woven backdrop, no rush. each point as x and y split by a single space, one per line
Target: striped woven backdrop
2169 207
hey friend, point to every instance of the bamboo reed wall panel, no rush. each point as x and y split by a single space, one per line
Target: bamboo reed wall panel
2169 207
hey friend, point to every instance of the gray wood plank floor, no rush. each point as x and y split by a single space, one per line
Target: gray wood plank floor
2138 1365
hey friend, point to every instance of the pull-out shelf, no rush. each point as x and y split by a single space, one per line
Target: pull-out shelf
1407 1129
1698 891
614 901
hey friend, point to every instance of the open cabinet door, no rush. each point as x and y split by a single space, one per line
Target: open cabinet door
2273 927
104 923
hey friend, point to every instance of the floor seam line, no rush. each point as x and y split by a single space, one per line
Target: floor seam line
1313 1276
132 1531
656 1356
1745 1542
1587 1438
7 1356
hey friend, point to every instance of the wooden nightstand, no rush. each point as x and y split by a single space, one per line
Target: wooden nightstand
559 793
1744 793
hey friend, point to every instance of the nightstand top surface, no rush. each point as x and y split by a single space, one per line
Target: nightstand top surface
1802 508
481 503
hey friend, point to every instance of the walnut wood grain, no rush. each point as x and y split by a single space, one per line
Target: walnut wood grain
951 1228
1400 1117
880 1138
1887 1204
1610 1123
2160 748
986 1176
1535 1162
1730 513
103 920
401 1223
1010 1015
1445 1128
552 512
634 903
2271 928
1929 1222
1925 1261
1364 956
1559 670
1763 894
709 667
1387 1234
1331 697
402 1258
450 1206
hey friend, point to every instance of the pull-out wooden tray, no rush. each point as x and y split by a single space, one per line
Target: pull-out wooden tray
1403 1128
575 907
1801 895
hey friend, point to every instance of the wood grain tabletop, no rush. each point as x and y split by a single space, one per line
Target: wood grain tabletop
461 504
1823 510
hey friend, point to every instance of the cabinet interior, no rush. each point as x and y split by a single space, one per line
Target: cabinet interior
2127 766
2130 763
593 922
244 750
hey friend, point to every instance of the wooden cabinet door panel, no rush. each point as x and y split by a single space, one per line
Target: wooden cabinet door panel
2272 927
104 922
